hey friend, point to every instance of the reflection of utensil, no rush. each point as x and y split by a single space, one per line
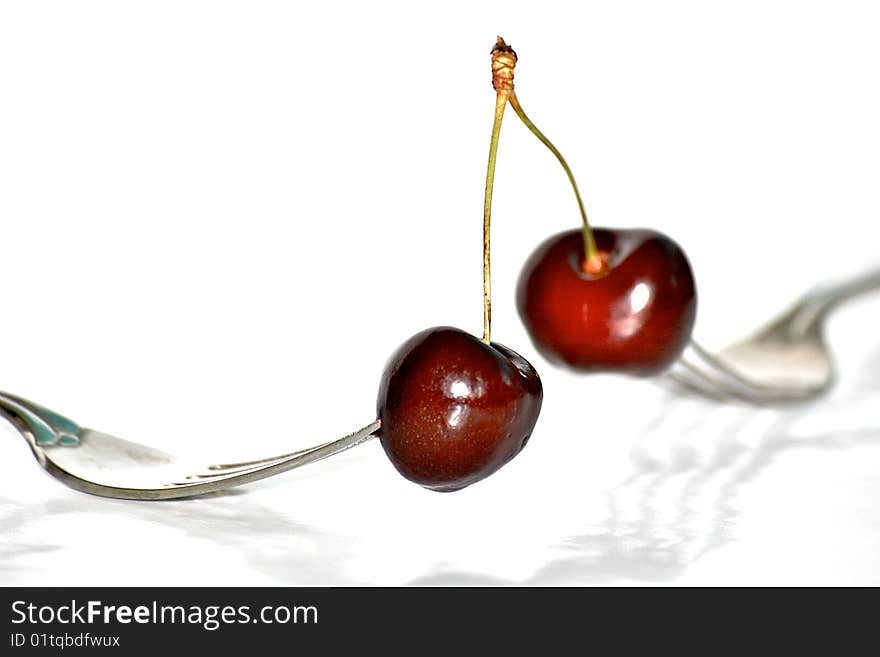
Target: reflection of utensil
786 361
111 467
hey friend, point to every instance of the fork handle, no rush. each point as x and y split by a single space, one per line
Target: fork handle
824 298
830 295
39 425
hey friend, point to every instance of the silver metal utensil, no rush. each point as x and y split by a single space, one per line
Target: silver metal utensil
787 361
101 464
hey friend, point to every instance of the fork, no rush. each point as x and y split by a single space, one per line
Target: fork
786 361
101 464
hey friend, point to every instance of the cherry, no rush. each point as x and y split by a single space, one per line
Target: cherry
634 315
454 409
621 300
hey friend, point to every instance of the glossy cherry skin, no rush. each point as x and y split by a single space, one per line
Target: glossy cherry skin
634 317
454 409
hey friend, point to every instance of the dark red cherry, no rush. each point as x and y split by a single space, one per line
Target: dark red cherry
455 409
636 315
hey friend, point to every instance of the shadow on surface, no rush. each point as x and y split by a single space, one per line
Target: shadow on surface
267 541
690 464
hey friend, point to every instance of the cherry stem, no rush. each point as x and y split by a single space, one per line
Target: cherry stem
592 263
500 104
503 62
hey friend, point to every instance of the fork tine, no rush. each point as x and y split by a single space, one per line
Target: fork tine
692 378
219 471
262 469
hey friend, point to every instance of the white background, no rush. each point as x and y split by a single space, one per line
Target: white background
218 219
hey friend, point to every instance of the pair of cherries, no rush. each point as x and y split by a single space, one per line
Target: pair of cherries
454 408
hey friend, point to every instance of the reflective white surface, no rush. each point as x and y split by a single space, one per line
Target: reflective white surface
182 268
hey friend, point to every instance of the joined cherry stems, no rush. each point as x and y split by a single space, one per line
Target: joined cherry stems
503 63
593 262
